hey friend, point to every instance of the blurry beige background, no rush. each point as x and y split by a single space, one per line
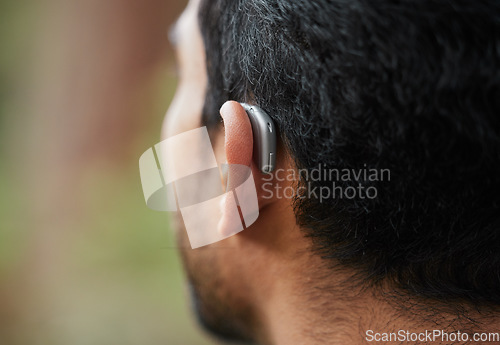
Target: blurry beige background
84 85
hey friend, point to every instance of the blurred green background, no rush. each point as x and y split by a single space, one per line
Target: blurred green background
84 85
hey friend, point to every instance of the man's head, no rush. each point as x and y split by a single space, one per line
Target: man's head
409 87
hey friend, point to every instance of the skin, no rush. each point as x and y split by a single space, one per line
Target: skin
264 284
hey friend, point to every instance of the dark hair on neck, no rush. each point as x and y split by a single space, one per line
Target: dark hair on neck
410 86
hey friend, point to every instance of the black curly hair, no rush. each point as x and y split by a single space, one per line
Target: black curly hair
410 86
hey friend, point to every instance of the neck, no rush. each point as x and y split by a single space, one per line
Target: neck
300 301
298 311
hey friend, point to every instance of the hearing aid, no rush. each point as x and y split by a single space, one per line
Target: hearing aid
264 138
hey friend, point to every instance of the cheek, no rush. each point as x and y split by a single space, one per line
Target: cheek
185 110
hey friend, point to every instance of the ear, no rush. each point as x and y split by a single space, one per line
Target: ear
275 210
238 137
238 144
238 147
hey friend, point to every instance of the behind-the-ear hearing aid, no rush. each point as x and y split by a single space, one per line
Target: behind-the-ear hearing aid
264 138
